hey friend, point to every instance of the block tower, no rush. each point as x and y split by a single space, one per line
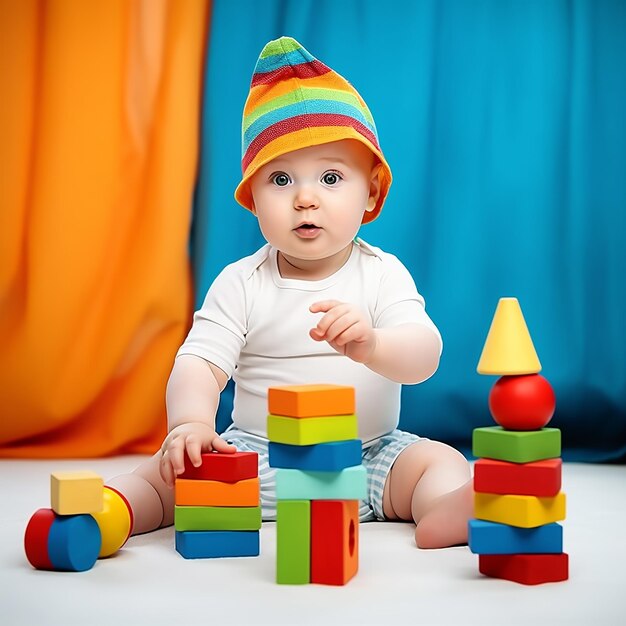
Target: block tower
320 479
517 482
217 511
66 537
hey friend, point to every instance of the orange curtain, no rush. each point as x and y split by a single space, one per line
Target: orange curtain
99 119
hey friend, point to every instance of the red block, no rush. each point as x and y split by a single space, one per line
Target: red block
36 539
224 467
334 541
540 478
528 569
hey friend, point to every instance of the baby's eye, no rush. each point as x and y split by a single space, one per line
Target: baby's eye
331 178
280 178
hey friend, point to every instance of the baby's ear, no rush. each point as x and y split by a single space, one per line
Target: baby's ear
374 195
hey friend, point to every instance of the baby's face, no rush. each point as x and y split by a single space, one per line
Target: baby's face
310 202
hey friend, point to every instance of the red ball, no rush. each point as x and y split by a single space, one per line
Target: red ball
524 402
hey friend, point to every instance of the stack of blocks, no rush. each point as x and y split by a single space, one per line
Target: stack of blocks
320 479
217 509
86 521
66 537
517 483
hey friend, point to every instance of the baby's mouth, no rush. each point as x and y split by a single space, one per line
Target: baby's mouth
307 230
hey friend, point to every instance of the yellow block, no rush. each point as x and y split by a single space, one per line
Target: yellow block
522 511
73 493
508 349
303 432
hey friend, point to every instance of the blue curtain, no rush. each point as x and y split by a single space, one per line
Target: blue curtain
504 123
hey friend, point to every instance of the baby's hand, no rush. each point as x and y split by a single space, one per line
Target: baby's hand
193 438
345 328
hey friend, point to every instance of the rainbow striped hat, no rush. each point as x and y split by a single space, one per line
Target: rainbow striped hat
296 101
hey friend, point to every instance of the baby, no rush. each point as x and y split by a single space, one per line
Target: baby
314 305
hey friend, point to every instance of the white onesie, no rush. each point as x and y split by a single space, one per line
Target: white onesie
254 325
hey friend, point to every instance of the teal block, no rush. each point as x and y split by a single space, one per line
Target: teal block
348 484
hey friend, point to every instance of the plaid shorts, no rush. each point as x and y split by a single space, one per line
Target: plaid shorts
378 457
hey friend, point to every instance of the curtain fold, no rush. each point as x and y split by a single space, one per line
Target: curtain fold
504 123
100 118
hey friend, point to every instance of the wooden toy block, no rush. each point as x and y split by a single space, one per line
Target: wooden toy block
539 478
115 521
525 402
213 544
320 457
311 400
528 569
491 538
334 541
494 442
223 467
523 511
293 542
216 493
73 493
348 484
74 542
217 518
508 349
301 432
36 539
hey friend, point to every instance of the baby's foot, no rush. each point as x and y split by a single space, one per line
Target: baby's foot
444 524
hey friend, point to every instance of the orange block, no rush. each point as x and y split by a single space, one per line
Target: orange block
334 541
311 400
216 493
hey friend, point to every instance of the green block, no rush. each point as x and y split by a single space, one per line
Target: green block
293 542
516 446
304 431
348 484
217 518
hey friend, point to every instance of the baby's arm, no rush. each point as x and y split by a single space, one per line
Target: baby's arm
408 353
192 397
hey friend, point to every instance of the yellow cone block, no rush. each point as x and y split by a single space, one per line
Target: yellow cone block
521 511
508 349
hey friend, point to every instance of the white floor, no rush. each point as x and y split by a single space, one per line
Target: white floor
149 583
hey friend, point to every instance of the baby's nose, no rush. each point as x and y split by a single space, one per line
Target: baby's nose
306 199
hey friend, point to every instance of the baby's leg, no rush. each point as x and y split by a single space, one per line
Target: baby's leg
430 483
151 500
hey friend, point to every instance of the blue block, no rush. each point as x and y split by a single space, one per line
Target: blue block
74 542
492 538
348 484
319 457
212 544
